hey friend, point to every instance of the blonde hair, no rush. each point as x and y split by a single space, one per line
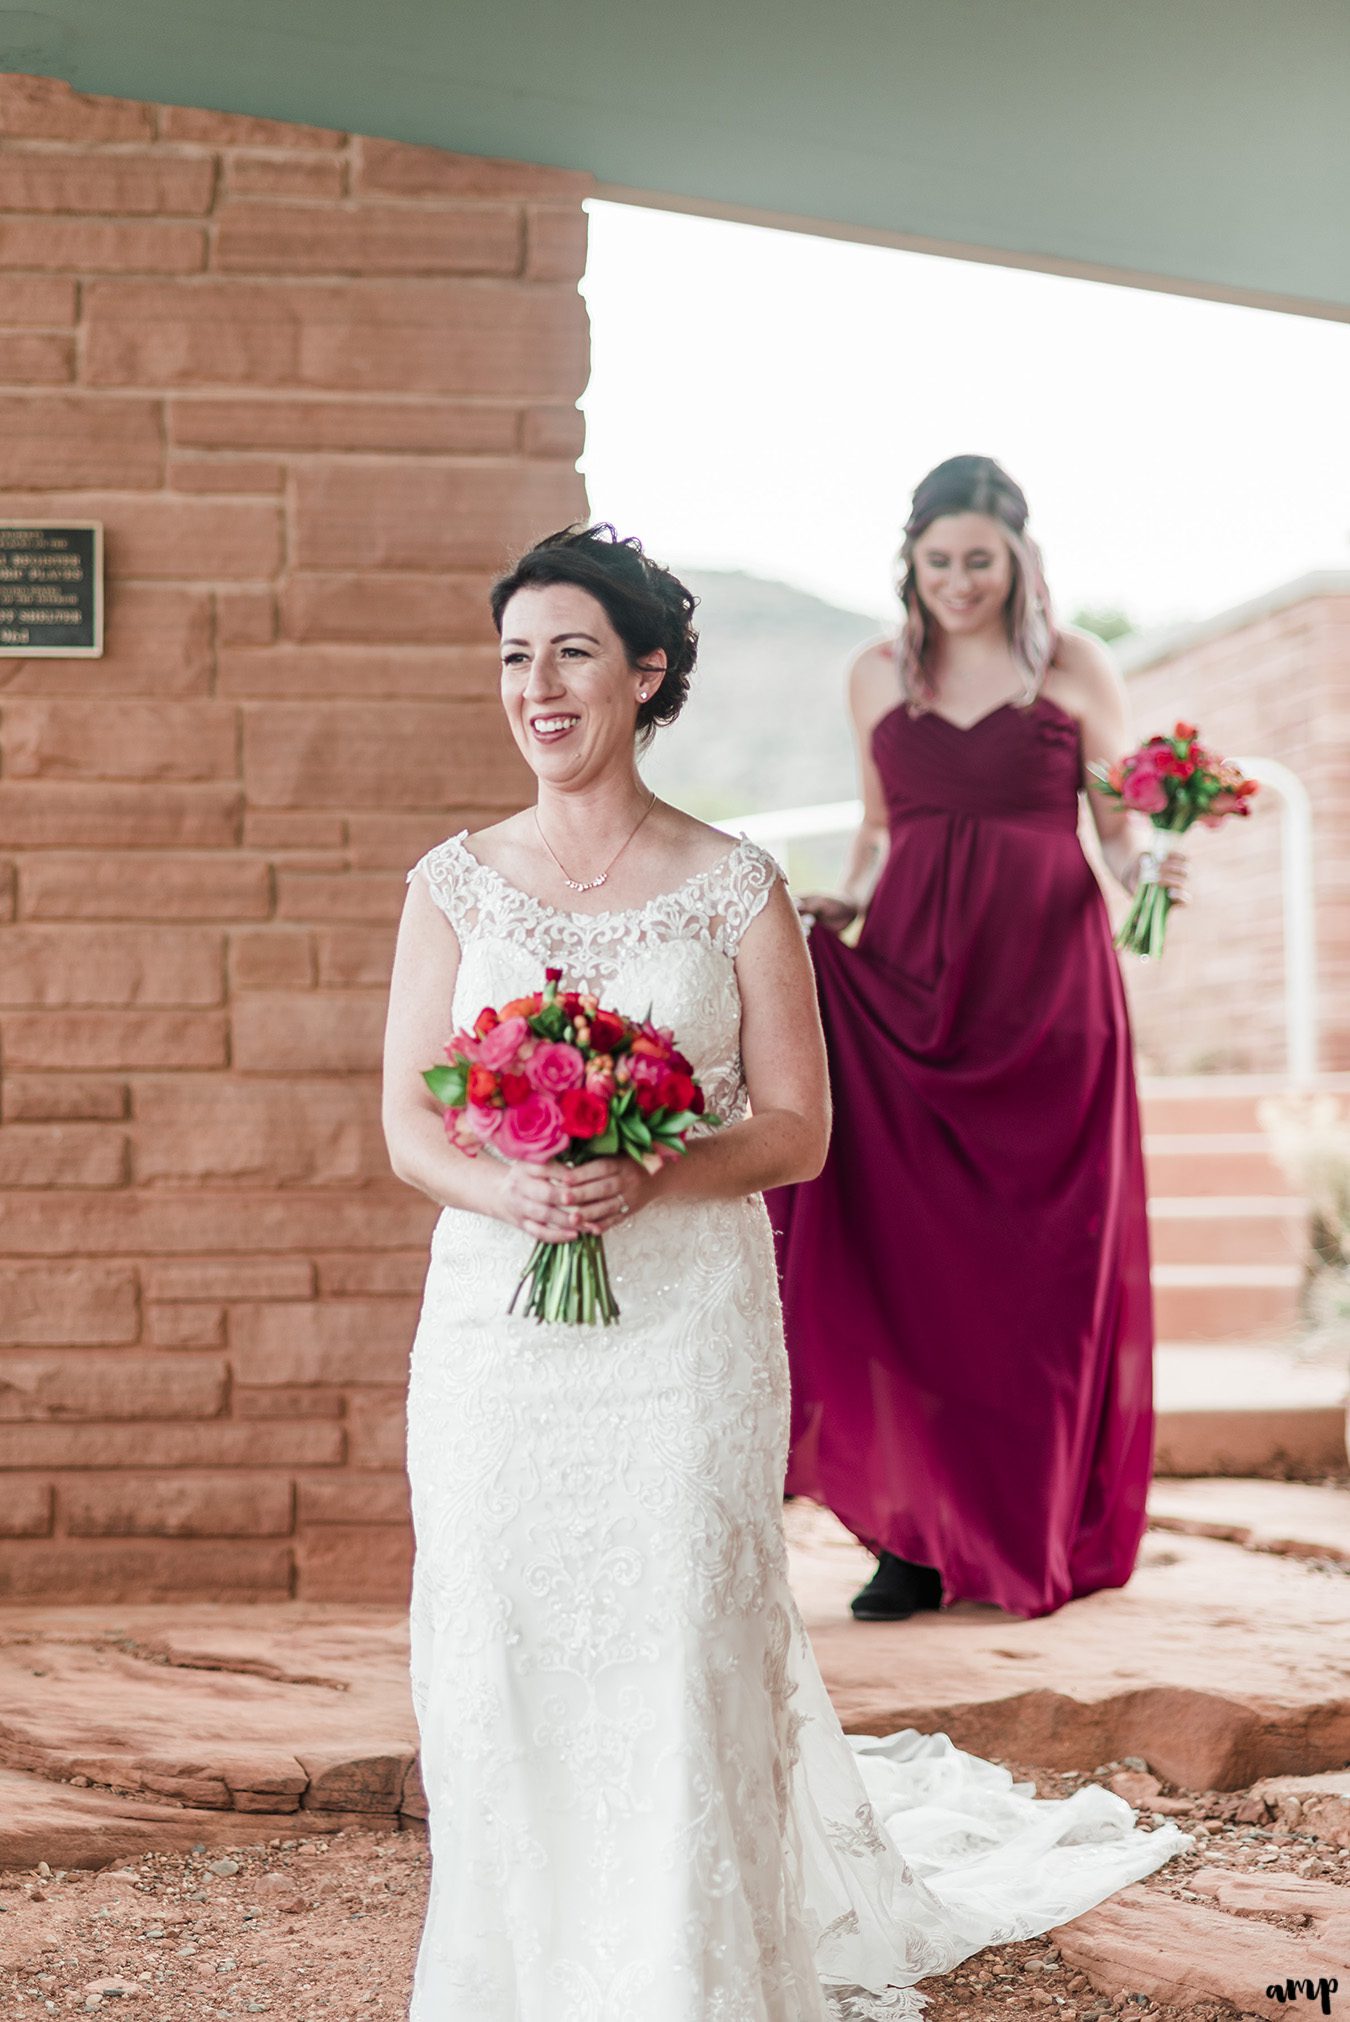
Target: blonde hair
976 484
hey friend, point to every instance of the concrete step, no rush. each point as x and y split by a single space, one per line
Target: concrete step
1190 1164
1220 1302
1218 1102
1247 1409
1294 1519
1228 1229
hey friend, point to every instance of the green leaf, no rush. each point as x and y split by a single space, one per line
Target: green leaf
607 1143
447 1084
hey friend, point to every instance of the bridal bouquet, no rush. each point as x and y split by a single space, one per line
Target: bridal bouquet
555 1076
1176 782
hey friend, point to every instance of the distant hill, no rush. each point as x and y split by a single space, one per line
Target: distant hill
765 724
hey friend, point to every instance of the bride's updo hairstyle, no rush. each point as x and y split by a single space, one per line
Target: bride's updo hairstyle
649 608
976 484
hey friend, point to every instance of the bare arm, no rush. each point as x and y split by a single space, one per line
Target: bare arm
872 692
422 987
783 1058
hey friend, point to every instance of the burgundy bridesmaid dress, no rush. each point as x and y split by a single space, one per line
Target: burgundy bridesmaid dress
966 1285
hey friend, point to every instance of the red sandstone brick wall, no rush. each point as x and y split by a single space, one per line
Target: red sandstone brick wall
1274 683
317 388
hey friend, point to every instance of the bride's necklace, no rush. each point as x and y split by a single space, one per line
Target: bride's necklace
594 884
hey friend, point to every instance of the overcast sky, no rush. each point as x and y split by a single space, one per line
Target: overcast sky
766 401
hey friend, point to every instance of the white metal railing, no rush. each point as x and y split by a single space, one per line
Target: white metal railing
780 828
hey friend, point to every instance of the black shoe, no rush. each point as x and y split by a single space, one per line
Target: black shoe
898 1590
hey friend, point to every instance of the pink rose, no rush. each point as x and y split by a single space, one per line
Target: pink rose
1145 791
554 1067
498 1048
534 1131
470 1128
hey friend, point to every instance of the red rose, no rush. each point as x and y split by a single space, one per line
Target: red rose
553 975
648 1097
485 1021
607 1030
677 1092
584 1113
515 1089
1184 732
482 1084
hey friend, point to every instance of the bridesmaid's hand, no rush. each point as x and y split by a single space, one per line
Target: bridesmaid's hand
835 914
1173 871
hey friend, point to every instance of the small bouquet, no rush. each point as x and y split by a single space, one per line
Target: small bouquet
555 1076
1176 782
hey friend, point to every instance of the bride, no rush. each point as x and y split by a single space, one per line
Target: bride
641 1804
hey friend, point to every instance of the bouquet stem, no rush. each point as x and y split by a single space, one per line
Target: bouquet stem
568 1282
1143 931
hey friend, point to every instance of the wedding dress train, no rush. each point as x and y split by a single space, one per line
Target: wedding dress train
641 1805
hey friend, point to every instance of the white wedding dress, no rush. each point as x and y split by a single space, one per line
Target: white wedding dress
642 1807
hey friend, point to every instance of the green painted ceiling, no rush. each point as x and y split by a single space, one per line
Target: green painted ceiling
1206 142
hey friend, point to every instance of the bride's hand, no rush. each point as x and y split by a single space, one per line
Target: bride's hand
535 1198
835 914
606 1191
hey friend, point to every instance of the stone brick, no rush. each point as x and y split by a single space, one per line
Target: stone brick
116 887
390 754
357 956
271 1443
555 242
122 740
377 1424
101 246
439 427
127 1504
62 1098
318 177
46 108
9 891
111 965
214 1131
287 1401
387 1216
354 1499
25 1507
427 516
229 1278
90 1385
339 1341
113 1039
246 617
393 168
149 185
303 895
188 1325
373 1275
62 1155
288 672
554 431
355 1562
56 439
396 842
385 609
262 238
271 959
377 336
163 538
37 301
36 817
68 1305
156 641
36 358
180 1569
284 828
240 476
308 1034
235 129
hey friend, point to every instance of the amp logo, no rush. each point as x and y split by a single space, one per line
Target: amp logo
1311 1990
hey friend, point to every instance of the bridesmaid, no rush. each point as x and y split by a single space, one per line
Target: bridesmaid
966 1284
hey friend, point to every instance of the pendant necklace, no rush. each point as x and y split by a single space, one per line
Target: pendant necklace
594 884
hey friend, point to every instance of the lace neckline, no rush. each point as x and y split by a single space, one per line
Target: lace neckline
695 878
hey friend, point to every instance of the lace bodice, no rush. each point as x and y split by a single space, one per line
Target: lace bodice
675 956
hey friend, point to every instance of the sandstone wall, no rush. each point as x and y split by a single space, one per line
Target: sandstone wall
317 388
1272 681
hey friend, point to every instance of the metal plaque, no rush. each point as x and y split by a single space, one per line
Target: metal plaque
51 590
